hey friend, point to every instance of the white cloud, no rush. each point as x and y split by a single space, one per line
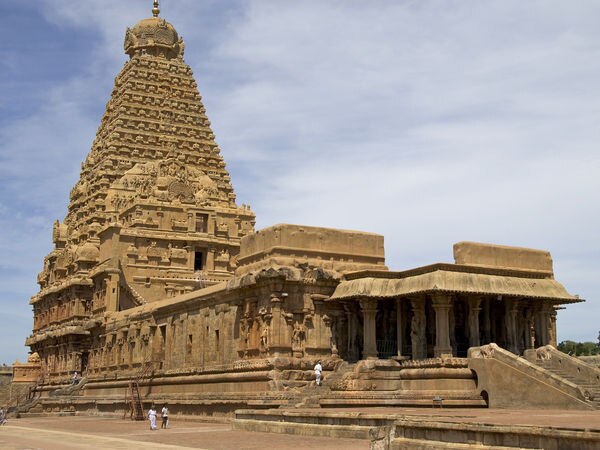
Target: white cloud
428 122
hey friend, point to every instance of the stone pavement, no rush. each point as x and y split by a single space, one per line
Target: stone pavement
64 433
84 432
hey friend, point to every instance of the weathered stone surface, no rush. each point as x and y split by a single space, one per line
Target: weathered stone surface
158 280
493 255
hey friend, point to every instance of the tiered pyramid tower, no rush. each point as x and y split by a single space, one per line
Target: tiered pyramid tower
153 214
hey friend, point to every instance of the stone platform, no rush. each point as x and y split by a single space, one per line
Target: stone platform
428 428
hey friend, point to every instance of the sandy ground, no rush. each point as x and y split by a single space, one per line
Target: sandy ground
58 433
54 433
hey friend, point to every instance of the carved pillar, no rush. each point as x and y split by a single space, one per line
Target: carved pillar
399 327
473 319
275 324
542 324
417 329
352 342
487 325
369 309
441 305
321 341
279 334
191 222
330 324
529 328
210 259
511 306
552 329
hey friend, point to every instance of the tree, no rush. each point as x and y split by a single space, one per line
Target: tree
579 348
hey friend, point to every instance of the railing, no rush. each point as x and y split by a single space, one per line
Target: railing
133 401
137 297
387 348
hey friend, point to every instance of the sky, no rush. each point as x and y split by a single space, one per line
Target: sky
430 122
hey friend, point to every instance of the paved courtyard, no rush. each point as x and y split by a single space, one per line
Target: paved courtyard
58 433
54 433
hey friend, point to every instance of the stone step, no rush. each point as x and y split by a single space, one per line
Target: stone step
394 430
422 444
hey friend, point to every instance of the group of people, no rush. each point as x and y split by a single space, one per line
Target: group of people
164 412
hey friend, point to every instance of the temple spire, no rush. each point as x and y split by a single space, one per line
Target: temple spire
155 9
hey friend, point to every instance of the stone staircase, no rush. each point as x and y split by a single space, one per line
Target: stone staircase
388 383
72 389
589 385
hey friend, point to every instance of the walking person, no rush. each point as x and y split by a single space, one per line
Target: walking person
165 416
318 369
152 417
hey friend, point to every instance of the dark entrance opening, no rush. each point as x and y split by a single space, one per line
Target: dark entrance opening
198 261
84 361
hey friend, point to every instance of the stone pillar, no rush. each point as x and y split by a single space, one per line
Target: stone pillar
351 317
191 222
486 325
210 259
441 304
275 324
417 329
542 324
473 325
399 327
369 308
552 329
529 329
511 309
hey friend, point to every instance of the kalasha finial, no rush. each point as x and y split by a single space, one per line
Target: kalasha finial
155 10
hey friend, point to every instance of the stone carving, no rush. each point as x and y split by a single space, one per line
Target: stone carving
264 337
417 331
485 351
544 353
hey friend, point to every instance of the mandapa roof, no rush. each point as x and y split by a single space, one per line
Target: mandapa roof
453 278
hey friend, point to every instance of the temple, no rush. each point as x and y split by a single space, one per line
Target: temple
160 289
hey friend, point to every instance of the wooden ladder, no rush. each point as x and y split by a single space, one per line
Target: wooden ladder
132 397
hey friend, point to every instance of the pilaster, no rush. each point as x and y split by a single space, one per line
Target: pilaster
369 309
441 305
417 329
474 309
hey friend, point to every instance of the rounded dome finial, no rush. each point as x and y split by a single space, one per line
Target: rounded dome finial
153 36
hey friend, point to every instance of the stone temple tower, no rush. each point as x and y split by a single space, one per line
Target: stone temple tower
153 214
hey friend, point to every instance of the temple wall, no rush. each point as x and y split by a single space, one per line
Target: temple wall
332 249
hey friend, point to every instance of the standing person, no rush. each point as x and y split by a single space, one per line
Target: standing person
165 416
75 379
318 369
152 417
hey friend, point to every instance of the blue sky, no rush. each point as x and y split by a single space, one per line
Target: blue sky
430 122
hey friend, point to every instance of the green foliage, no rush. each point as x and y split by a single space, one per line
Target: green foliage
579 348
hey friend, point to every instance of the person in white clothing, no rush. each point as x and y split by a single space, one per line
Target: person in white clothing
318 370
152 417
164 412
